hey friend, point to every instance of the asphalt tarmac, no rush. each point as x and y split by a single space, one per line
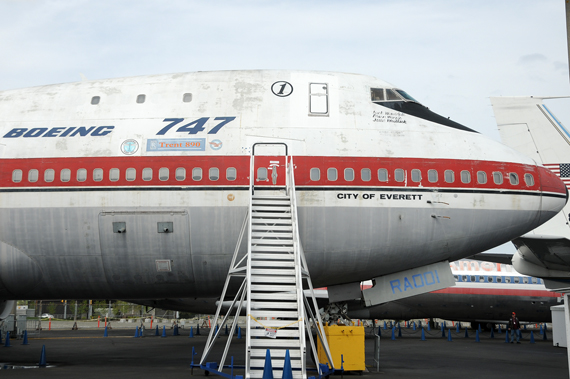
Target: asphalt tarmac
86 353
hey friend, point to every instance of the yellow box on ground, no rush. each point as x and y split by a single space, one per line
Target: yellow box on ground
347 341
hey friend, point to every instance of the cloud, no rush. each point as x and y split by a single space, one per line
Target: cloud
532 59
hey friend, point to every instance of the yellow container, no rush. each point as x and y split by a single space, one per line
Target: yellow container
347 341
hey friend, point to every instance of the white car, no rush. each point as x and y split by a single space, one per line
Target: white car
47 315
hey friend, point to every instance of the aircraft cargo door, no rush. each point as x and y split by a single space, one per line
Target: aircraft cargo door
147 252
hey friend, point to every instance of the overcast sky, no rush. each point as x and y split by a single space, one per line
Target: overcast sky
450 55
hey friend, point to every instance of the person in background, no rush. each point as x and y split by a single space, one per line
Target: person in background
514 327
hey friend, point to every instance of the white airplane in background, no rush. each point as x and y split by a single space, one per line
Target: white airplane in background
136 188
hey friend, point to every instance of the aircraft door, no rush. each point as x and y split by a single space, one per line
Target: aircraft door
269 165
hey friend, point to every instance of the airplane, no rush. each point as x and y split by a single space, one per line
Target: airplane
136 188
484 293
528 125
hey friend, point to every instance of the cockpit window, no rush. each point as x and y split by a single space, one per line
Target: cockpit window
391 95
377 94
400 101
405 95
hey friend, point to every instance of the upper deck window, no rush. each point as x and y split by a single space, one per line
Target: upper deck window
95 100
187 97
141 99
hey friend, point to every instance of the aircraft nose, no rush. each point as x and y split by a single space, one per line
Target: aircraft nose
554 194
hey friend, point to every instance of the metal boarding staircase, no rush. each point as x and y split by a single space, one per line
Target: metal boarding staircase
274 270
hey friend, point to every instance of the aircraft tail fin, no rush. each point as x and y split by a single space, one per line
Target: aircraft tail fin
527 125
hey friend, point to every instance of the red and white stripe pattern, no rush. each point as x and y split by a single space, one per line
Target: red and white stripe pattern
562 170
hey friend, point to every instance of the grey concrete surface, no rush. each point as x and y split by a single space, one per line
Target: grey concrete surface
85 353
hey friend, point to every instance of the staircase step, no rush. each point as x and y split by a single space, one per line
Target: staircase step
260 288
293 315
284 209
277 342
267 241
268 305
272 256
275 363
268 249
278 272
278 215
289 324
272 279
273 296
272 197
271 221
277 228
281 333
275 264
270 234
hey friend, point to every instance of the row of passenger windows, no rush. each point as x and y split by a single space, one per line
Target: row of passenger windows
497 279
416 176
186 98
130 174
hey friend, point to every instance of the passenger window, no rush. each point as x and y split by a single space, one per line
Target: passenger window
534 281
416 175
449 176
365 174
481 279
215 173
131 174
507 279
261 173
525 280
49 175
231 173
187 97
197 173
513 178
490 279
377 94
382 175
33 175
180 174
432 176
65 175
473 278
499 279
332 174
348 174
399 175
529 180
315 174
481 177
17 176
465 278
498 177
81 175
163 174
147 174
95 100
114 174
141 99
517 280
97 174
465 176
456 278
